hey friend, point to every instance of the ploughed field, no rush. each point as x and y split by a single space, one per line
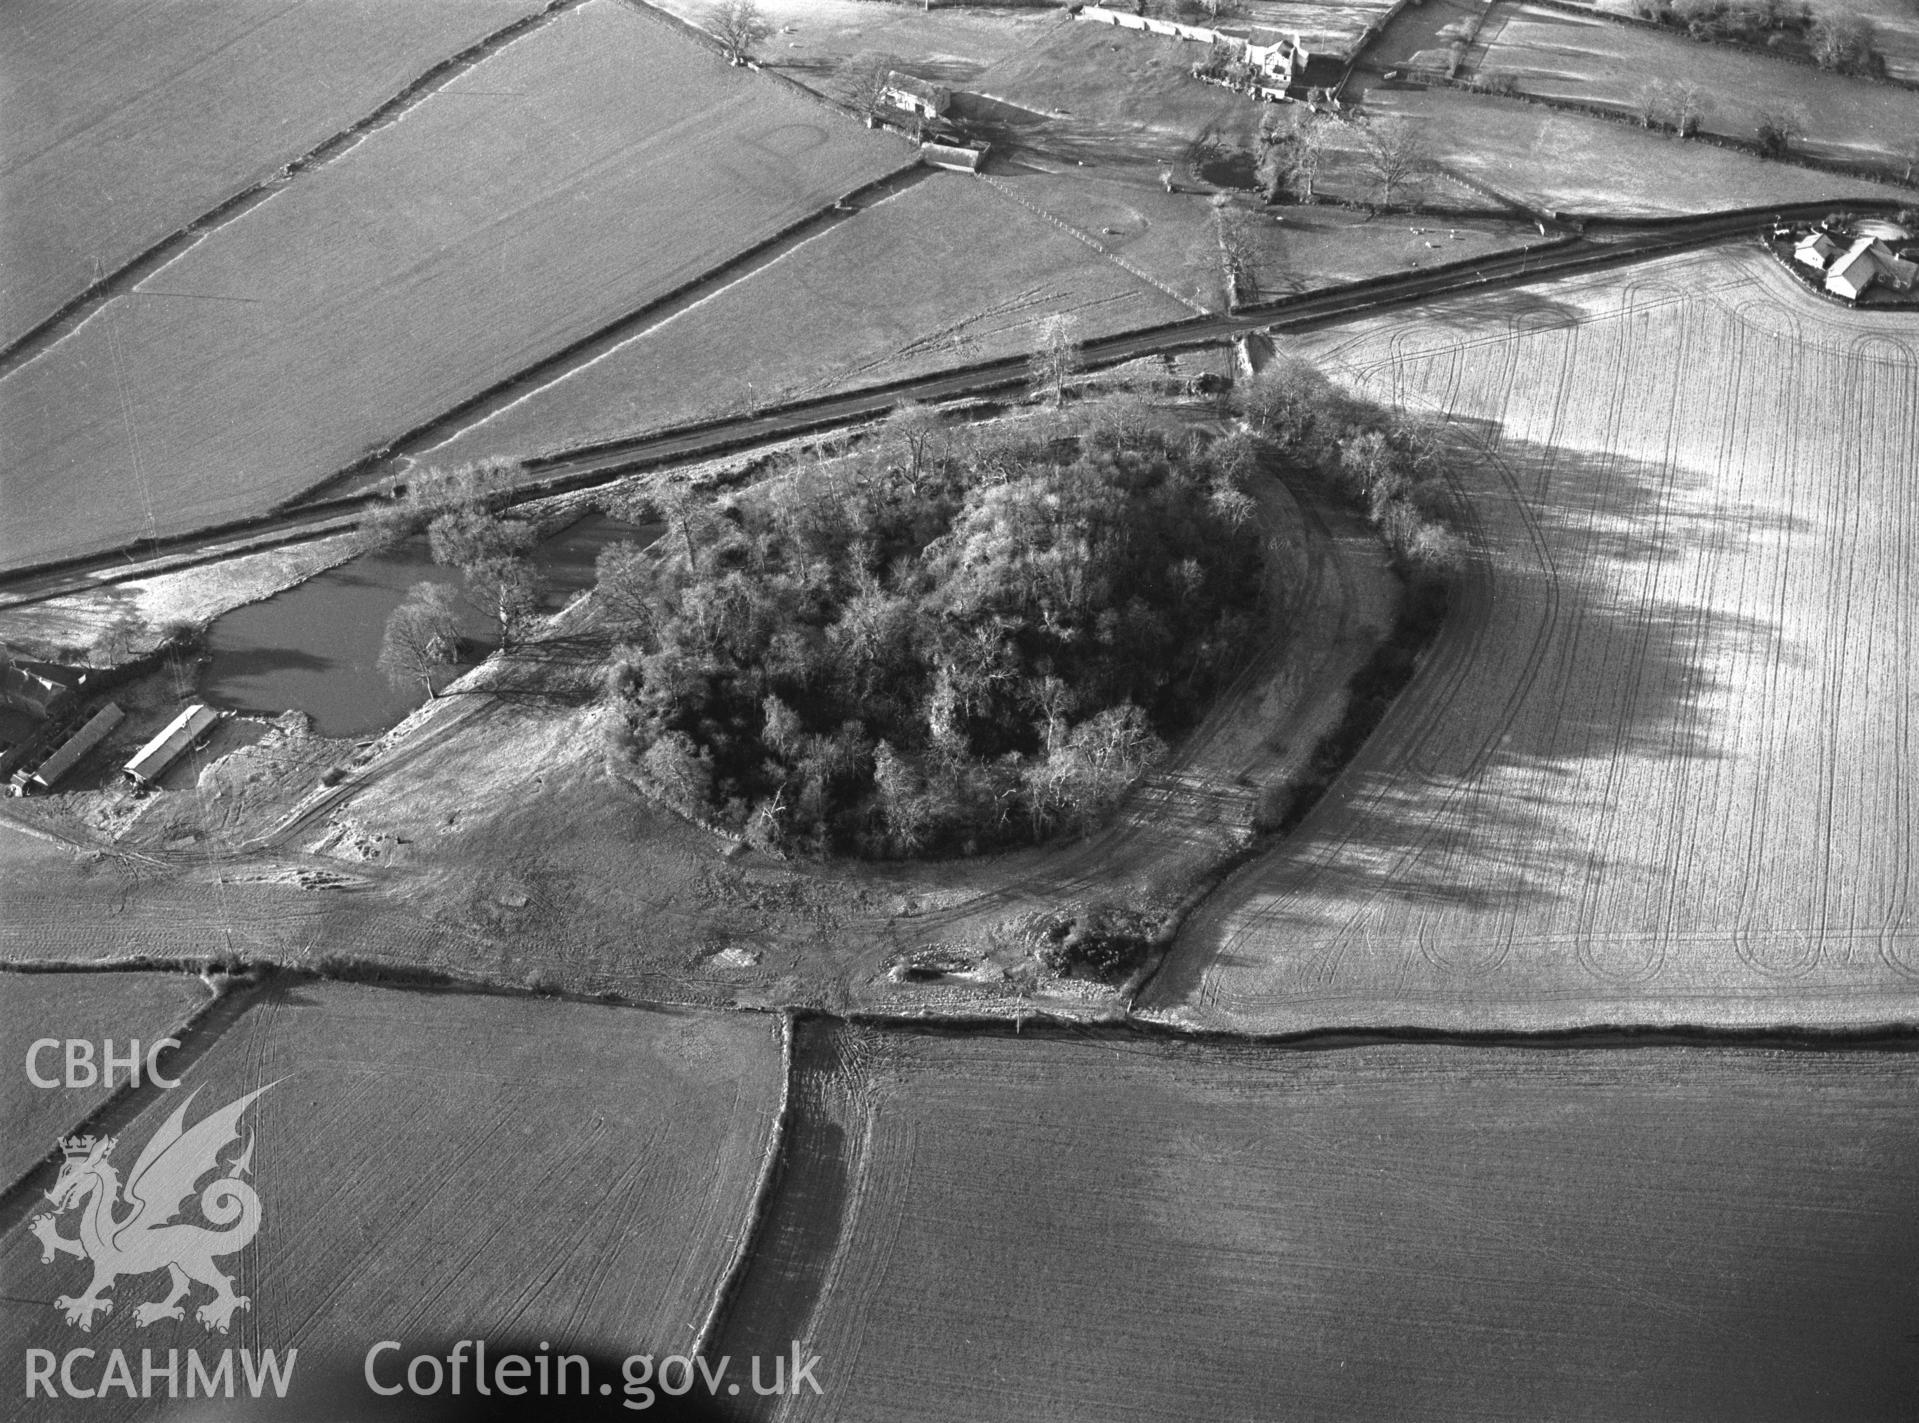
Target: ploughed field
78 1008
950 271
581 171
1655 767
435 1167
1110 1226
126 121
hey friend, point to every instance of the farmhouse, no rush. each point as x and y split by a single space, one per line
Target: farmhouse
69 755
916 96
183 731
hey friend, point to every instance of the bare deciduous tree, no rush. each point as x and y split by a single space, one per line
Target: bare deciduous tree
1397 158
1689 107
738 25
862 84
1057 358
422 635
1841 41
1779 125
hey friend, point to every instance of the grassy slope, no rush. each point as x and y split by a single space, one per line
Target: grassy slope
126 120
1580 163
438 1167
574 175
1652 770
1561 56
997 1228
91 1006
949 271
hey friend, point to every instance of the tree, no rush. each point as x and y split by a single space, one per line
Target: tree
1057 357
1238 249
1291 154
914 427
422 636
1689 107
863 85
1651 104
623 584
492 553
1779 125
1397 157
1843 42
738 25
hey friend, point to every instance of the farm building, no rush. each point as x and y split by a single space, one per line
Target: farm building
1869 262
76 746
960 157
183 731
916 96
1816 250
32 690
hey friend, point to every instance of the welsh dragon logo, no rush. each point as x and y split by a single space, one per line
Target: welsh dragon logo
147 1237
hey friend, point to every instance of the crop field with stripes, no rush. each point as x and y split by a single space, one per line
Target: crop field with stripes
127 119
433 1167
593 164
1104 1226
1655 768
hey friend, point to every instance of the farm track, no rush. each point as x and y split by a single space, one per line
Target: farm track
123 279
1607 244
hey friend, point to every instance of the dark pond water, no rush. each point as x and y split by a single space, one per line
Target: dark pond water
315 647
1229 168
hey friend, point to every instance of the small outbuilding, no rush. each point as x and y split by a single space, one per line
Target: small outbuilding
1816 250
75 747
960 157
186 729
1899 272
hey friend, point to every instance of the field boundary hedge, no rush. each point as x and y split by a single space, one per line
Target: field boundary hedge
760 1208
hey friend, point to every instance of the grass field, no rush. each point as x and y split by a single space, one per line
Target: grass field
1652 771
975 1227
1300 249
64 1006
436 1167
1895 29
1581 163
1325 29
1590 61
127 120
1090 94
574 175
952 270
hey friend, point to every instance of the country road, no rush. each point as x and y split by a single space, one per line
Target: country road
1602 242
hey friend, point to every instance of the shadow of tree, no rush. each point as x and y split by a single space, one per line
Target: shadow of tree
1574 647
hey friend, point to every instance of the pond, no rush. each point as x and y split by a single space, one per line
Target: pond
315 647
